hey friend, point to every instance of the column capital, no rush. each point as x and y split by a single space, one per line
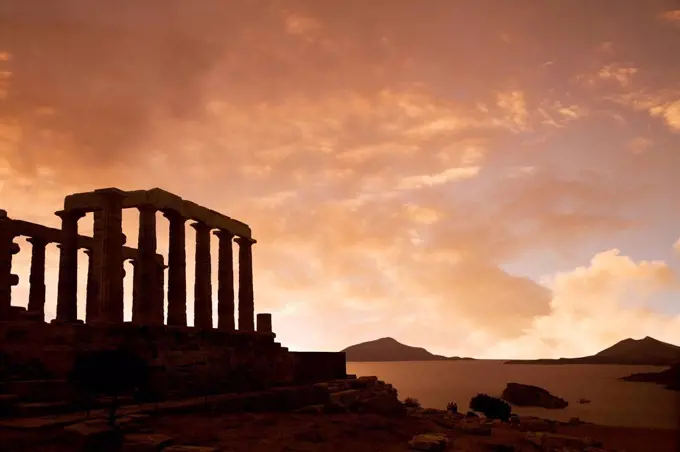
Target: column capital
243 241
224 234
38 241
200 226
147 206
85 250
74 215
173 215
14 248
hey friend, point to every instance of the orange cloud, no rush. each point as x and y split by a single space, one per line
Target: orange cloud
401 175
672 16
592 305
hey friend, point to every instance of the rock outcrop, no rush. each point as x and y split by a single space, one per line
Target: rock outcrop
526 395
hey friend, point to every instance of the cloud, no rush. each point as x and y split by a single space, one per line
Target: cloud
591 307
514 104
412 178
669 112
621 75
677 246
428 180
672 16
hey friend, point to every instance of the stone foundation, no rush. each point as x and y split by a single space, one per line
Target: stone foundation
184 361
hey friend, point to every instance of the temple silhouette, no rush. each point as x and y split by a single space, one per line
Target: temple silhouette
185 361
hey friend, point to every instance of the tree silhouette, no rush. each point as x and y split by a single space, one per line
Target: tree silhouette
108 372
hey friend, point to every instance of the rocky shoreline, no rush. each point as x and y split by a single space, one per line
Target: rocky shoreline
670 377
356 414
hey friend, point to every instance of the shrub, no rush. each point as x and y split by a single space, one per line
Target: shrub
411 402
452 407
491 407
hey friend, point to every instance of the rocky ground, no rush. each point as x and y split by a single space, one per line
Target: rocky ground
359 416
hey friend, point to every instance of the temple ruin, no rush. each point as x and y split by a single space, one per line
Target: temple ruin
232 357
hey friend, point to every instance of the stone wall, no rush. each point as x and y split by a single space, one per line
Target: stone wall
313 367
184 361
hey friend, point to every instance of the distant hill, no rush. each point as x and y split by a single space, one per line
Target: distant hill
647 351
388 349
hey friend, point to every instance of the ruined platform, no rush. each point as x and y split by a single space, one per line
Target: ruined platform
37 358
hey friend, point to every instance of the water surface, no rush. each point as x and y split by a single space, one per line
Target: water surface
613 402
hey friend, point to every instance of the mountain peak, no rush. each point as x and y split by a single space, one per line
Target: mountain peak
646 347
387 340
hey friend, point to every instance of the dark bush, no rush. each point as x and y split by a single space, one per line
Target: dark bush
109 372
452 407
491 407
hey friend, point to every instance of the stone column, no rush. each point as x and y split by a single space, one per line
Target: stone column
264 323
158 317
36 294
203 284
67 290
6 246
177 270
225 276
135 285
90 290
108 256
246 299
144 311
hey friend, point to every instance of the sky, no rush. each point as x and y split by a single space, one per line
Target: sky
479 178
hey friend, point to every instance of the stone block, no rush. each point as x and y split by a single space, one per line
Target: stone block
346 397
537 425
190 449
42 408
429 442
383 404
145 442
334 408
551 442
132 423
92 436
476 429
368 381
41 390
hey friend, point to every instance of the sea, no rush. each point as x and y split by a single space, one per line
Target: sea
613 402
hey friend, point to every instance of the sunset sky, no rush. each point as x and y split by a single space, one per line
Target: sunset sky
479 178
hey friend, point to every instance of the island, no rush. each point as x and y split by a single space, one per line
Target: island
643 352
670 377
389 349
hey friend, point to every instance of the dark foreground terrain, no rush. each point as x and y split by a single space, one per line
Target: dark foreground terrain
246 432
355 415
